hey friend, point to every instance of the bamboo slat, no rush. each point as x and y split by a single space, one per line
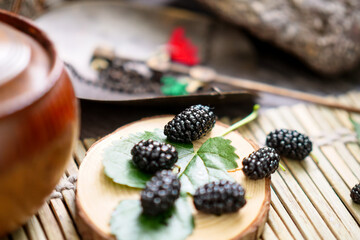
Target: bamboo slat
292 206
278 225
320 181
69 198
344 121
64 219
306 185
72 168
333 173
19 234
79 153
88 142
285 217
49 223
324 115
269 233
355 150
303 217
34 229
328 150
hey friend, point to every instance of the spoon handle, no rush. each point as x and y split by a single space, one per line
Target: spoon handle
262 87
210 75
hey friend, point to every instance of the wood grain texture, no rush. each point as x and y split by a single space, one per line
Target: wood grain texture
285 216
278 226
269 233
64 219
97 195
51 228
34 229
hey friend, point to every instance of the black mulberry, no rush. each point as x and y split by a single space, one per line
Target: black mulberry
355 193
261 163
191 124
151 156
289 143
220 197
160 193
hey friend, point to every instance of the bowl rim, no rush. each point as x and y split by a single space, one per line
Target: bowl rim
29 28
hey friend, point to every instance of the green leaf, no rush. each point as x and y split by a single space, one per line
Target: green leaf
117 158
209 163
357 128
127 222
173 86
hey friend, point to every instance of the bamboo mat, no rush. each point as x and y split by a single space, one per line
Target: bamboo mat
310 200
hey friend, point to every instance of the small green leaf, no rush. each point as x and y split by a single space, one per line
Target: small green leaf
117 158
209 163
127 222
173 86
357 128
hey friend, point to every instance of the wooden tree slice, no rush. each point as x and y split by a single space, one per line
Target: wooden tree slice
97 195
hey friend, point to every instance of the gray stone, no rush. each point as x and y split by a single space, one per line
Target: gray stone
323 33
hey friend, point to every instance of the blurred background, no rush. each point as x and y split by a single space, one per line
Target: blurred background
311 46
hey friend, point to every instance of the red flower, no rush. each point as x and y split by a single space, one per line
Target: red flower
181 49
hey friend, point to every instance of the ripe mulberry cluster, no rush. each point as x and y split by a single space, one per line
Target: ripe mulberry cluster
355 193
289 143
160 193
220 197
261 163
191 124
151 156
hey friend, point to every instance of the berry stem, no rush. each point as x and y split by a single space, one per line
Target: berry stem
243 121
178 168
316 160
234 170
282 167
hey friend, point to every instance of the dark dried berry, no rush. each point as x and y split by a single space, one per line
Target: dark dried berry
289 143
261 163
191 124
220 197
160 193
355 193
151 156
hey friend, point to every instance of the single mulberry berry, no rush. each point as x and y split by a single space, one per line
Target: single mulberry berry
151 156
261 163
160 193
289 143
191 124
220 197
355 193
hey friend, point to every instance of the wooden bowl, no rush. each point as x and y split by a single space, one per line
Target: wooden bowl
38 120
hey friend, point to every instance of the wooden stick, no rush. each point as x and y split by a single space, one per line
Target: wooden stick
261 87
